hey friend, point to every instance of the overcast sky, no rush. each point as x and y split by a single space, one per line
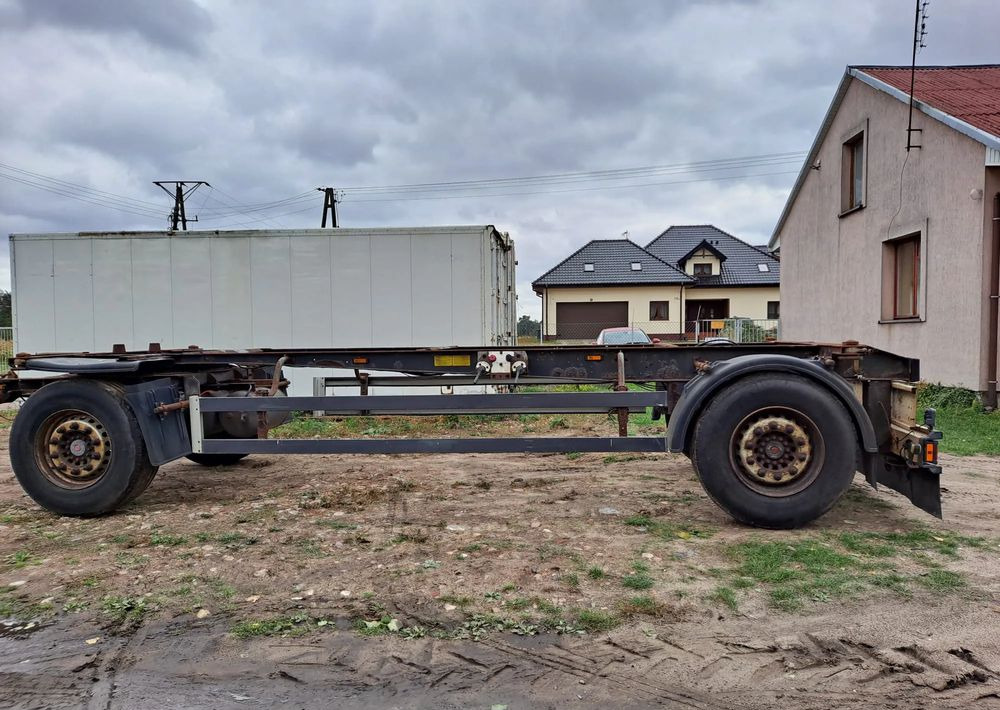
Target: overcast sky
267 100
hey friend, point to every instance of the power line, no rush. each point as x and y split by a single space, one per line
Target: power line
578 189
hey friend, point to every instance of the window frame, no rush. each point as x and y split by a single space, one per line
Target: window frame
652 310
696 267
914 268
777 310
917 232
854 150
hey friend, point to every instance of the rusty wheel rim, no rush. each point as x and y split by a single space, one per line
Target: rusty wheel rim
73 449
777 451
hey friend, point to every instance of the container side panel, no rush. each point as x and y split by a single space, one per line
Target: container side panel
272 292
351 305
36 331
431 292
112 293
73 291
468 306
231 288
311 320
391 278
191 291
152 299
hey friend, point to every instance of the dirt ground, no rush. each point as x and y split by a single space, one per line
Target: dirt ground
463 581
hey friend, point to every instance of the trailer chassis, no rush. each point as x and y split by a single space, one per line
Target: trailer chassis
775 431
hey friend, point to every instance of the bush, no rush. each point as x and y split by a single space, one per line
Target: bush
943 397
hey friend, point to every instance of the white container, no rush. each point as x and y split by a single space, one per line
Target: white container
399 287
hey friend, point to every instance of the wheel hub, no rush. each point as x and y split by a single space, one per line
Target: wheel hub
76 449
774 450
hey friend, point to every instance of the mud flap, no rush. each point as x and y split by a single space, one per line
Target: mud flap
921 485
166 435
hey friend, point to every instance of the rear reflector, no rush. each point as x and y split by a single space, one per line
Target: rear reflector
595 358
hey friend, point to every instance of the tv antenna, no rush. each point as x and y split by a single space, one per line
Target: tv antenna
919 33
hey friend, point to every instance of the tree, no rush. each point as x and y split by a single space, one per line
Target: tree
5 315
526 326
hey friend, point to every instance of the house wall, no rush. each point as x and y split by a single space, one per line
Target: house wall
638 298
743 302
832 266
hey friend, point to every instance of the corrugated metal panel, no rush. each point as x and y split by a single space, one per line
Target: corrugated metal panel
297 288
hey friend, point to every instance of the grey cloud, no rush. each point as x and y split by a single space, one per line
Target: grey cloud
171 24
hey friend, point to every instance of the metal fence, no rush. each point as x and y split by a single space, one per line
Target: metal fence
6 347
739 330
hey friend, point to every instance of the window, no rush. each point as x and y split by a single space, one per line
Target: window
588 266
906 276
773 310
853 173
659 310
763 268
636 266
702 269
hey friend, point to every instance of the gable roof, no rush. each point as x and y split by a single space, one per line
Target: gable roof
965 98
740 266
970 94
612 260
703 244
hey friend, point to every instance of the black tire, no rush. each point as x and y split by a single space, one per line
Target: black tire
123 466
807 431
216 459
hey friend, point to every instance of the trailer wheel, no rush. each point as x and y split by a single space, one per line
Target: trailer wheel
76 449
216 459
776 451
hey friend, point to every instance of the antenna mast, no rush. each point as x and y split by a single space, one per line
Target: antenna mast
919 32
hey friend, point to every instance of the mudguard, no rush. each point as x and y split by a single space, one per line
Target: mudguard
700 390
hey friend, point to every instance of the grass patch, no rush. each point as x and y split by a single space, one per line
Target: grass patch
597 620
667 531
639 578
167 540
725 596
941 581
595 572
643 605
967 429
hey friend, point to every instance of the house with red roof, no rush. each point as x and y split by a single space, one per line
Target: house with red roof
891 233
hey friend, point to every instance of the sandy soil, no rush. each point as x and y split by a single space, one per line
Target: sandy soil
138 609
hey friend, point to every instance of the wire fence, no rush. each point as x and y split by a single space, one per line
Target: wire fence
6 347
738 330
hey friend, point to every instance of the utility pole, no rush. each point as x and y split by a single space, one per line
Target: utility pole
329 205
180 192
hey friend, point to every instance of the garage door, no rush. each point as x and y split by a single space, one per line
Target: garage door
578 321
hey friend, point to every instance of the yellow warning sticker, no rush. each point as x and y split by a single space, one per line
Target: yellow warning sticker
452 361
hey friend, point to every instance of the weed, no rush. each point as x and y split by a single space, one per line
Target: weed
460 602
130 561
334 524
19 559
418 536
124 608
310 547
558 423
573 455
474 547
572 581
618 458
595 572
